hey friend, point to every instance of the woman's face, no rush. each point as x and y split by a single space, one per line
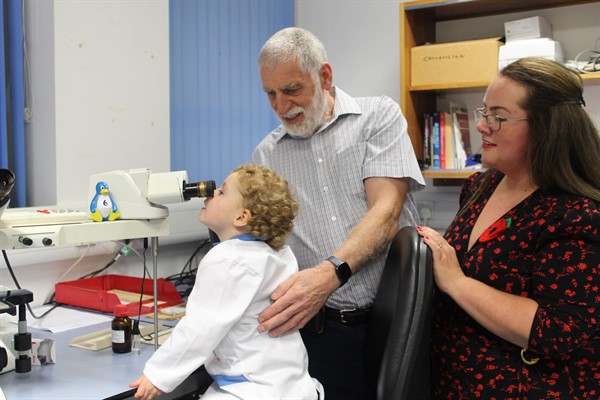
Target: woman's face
506 148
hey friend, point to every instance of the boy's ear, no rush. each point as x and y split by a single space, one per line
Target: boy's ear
243 218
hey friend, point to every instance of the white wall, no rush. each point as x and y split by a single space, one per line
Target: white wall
363 44
100 83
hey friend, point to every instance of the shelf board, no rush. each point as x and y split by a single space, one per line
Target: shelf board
458 86
459 9
449 177
448 173
589 77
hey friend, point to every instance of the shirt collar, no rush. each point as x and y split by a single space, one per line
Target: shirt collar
344 104
245 237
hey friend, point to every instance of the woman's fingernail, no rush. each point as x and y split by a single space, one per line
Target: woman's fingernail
426 237
419 228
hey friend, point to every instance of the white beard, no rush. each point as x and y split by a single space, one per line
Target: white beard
314 116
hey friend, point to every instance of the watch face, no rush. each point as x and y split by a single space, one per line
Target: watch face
343 272
342 269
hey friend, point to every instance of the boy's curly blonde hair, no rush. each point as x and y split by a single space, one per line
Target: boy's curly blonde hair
270 201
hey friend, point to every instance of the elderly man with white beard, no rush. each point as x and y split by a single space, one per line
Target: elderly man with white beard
353 169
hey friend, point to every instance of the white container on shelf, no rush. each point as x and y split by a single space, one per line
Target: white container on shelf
541 47
527 28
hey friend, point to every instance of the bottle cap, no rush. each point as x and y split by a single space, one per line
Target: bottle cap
136 327
121 310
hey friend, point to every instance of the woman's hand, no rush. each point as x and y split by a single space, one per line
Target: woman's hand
446 268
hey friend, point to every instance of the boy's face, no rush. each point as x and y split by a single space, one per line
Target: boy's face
222 213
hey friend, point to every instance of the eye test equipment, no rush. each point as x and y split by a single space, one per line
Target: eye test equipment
140 196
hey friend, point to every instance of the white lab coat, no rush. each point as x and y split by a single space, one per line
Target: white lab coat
233 285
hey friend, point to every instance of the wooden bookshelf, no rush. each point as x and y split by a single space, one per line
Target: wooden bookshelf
418 21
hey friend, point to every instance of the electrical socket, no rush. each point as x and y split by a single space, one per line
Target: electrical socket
425 209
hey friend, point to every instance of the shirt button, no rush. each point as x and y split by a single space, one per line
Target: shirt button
334 218
320 160
325 189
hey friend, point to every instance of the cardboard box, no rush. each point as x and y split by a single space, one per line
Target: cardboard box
455 64
527 28
542 47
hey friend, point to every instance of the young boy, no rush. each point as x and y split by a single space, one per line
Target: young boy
252 213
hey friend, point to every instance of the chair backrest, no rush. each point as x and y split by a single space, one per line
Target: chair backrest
399 330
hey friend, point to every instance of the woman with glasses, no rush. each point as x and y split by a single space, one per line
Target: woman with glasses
517 313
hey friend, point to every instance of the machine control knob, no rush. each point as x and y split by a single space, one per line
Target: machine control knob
25 240
47 241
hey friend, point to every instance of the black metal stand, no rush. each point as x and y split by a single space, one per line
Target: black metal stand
14 298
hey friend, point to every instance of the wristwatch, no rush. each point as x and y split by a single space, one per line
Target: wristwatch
342 269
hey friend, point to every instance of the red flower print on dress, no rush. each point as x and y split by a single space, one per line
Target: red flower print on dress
495 229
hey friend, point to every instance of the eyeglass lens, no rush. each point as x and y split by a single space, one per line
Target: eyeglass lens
492 122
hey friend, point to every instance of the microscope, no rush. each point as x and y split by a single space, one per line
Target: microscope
10 300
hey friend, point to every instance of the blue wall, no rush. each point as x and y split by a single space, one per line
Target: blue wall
219 111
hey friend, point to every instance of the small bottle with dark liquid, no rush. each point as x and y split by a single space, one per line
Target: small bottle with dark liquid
121 330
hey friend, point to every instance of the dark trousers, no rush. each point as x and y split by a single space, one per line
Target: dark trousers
336 358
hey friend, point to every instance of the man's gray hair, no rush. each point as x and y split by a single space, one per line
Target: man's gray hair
294 44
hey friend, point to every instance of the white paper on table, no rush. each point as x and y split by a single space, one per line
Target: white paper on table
63 319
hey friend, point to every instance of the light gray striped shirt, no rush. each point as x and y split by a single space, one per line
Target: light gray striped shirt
366 137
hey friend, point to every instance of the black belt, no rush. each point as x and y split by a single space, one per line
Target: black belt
348 316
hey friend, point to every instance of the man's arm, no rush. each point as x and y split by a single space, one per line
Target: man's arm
301 296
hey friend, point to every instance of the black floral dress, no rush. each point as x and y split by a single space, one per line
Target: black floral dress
546 248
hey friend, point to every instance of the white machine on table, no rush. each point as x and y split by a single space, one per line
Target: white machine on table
139 195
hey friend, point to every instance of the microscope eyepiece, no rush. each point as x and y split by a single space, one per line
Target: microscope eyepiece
198 189
7 180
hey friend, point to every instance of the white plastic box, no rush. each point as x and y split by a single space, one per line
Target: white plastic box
527 28
543 47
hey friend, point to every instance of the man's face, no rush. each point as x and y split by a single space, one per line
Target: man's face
299 102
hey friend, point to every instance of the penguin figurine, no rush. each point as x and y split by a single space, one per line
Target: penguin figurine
102 207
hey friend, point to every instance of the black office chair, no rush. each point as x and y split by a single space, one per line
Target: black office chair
399 330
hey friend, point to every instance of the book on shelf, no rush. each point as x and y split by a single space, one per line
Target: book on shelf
446 139
461 125
442 117
449 142
427 153
460 153
435 140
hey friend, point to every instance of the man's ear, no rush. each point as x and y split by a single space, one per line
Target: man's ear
243 218
326 76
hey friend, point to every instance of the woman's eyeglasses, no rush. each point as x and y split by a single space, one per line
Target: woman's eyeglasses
494 122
